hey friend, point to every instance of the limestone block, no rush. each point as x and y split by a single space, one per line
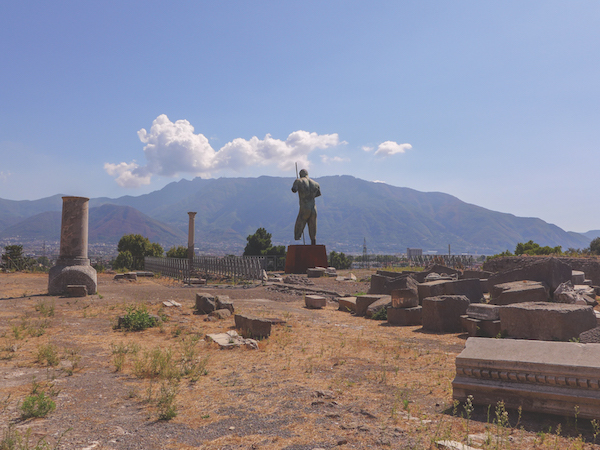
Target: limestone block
483 311
315 272
253 327
205 303
538 376
405 298
405 316
442 313
76 290
315 301
518 292
546 321
383 302
577 277
347 304
224 302
363 302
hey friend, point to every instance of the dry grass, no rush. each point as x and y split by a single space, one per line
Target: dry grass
323 378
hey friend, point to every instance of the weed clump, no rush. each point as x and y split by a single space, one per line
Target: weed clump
37 403
137 319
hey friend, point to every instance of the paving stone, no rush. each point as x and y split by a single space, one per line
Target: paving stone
546 321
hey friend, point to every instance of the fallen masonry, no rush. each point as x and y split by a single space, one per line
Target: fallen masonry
540 376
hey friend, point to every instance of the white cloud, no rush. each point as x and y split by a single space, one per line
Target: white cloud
4 176
173 148
335 159
389 148
378 181
366 148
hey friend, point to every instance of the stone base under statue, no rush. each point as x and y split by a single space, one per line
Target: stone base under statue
302 257
61 276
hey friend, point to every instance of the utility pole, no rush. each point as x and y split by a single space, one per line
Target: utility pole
365 256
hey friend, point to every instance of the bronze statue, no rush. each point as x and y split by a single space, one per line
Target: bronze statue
307 190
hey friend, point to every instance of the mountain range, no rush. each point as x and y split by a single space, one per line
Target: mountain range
349 211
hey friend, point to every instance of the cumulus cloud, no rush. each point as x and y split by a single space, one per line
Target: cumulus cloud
389 148
366 148
172 148
335 159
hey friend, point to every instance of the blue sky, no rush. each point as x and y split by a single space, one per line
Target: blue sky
497 103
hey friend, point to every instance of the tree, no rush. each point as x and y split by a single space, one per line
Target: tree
595 246
532 248
137 246
177 252
259 244
14 259
340 260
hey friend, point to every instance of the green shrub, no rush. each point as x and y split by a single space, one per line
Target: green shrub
48 353
167 408
380 314
37 405
138 319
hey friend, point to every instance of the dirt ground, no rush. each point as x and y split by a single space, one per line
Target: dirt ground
323 379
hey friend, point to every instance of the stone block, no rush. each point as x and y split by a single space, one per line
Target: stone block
131 276
405 298
374 308
551 271
253 327
590 336
221 313
405 316
469 287
477 327
315 301
577 277
205 303
518 292
381 284
483 311
76 290
537 376
315 272
578 295
347 304
442 313
224 302
490 328
431 289
546 321
363 302
481 274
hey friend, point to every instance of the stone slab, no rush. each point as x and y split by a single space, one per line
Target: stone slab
301 257
347 304
577 277
518 292
252 326
483 311
383 302
224 302
205 303
546 321
315 301
539 376
316 272
363 302
405 316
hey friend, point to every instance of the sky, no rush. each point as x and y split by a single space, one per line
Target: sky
496 103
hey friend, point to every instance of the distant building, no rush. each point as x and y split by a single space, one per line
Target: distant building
411 252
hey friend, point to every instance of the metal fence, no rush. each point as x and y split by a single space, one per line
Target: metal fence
170 267
447 260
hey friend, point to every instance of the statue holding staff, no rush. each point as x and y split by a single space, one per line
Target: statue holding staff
307 190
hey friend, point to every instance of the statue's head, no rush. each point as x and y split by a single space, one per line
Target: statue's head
303 173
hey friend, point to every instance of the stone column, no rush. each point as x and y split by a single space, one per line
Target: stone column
73 266
191 236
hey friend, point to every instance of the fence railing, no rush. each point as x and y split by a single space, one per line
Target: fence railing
448 260
247 267
170 267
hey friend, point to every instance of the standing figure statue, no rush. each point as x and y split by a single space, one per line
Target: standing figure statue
307 190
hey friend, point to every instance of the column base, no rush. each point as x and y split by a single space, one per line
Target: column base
302 257
62 276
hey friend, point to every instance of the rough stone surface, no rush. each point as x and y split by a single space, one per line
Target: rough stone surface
383 302
518 292
483 311
405 298
315 301
205 303
363 302
469 287
347 304
577 277
60 277
315 272
477 327
253 327
431 289
590 336
381 284
546 321
221 313
550 271
442 313
405 316
76 290
232 339
224 302
566 293
539 376
481 274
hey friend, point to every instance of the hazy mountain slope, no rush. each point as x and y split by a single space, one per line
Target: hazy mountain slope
13 211
107 224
